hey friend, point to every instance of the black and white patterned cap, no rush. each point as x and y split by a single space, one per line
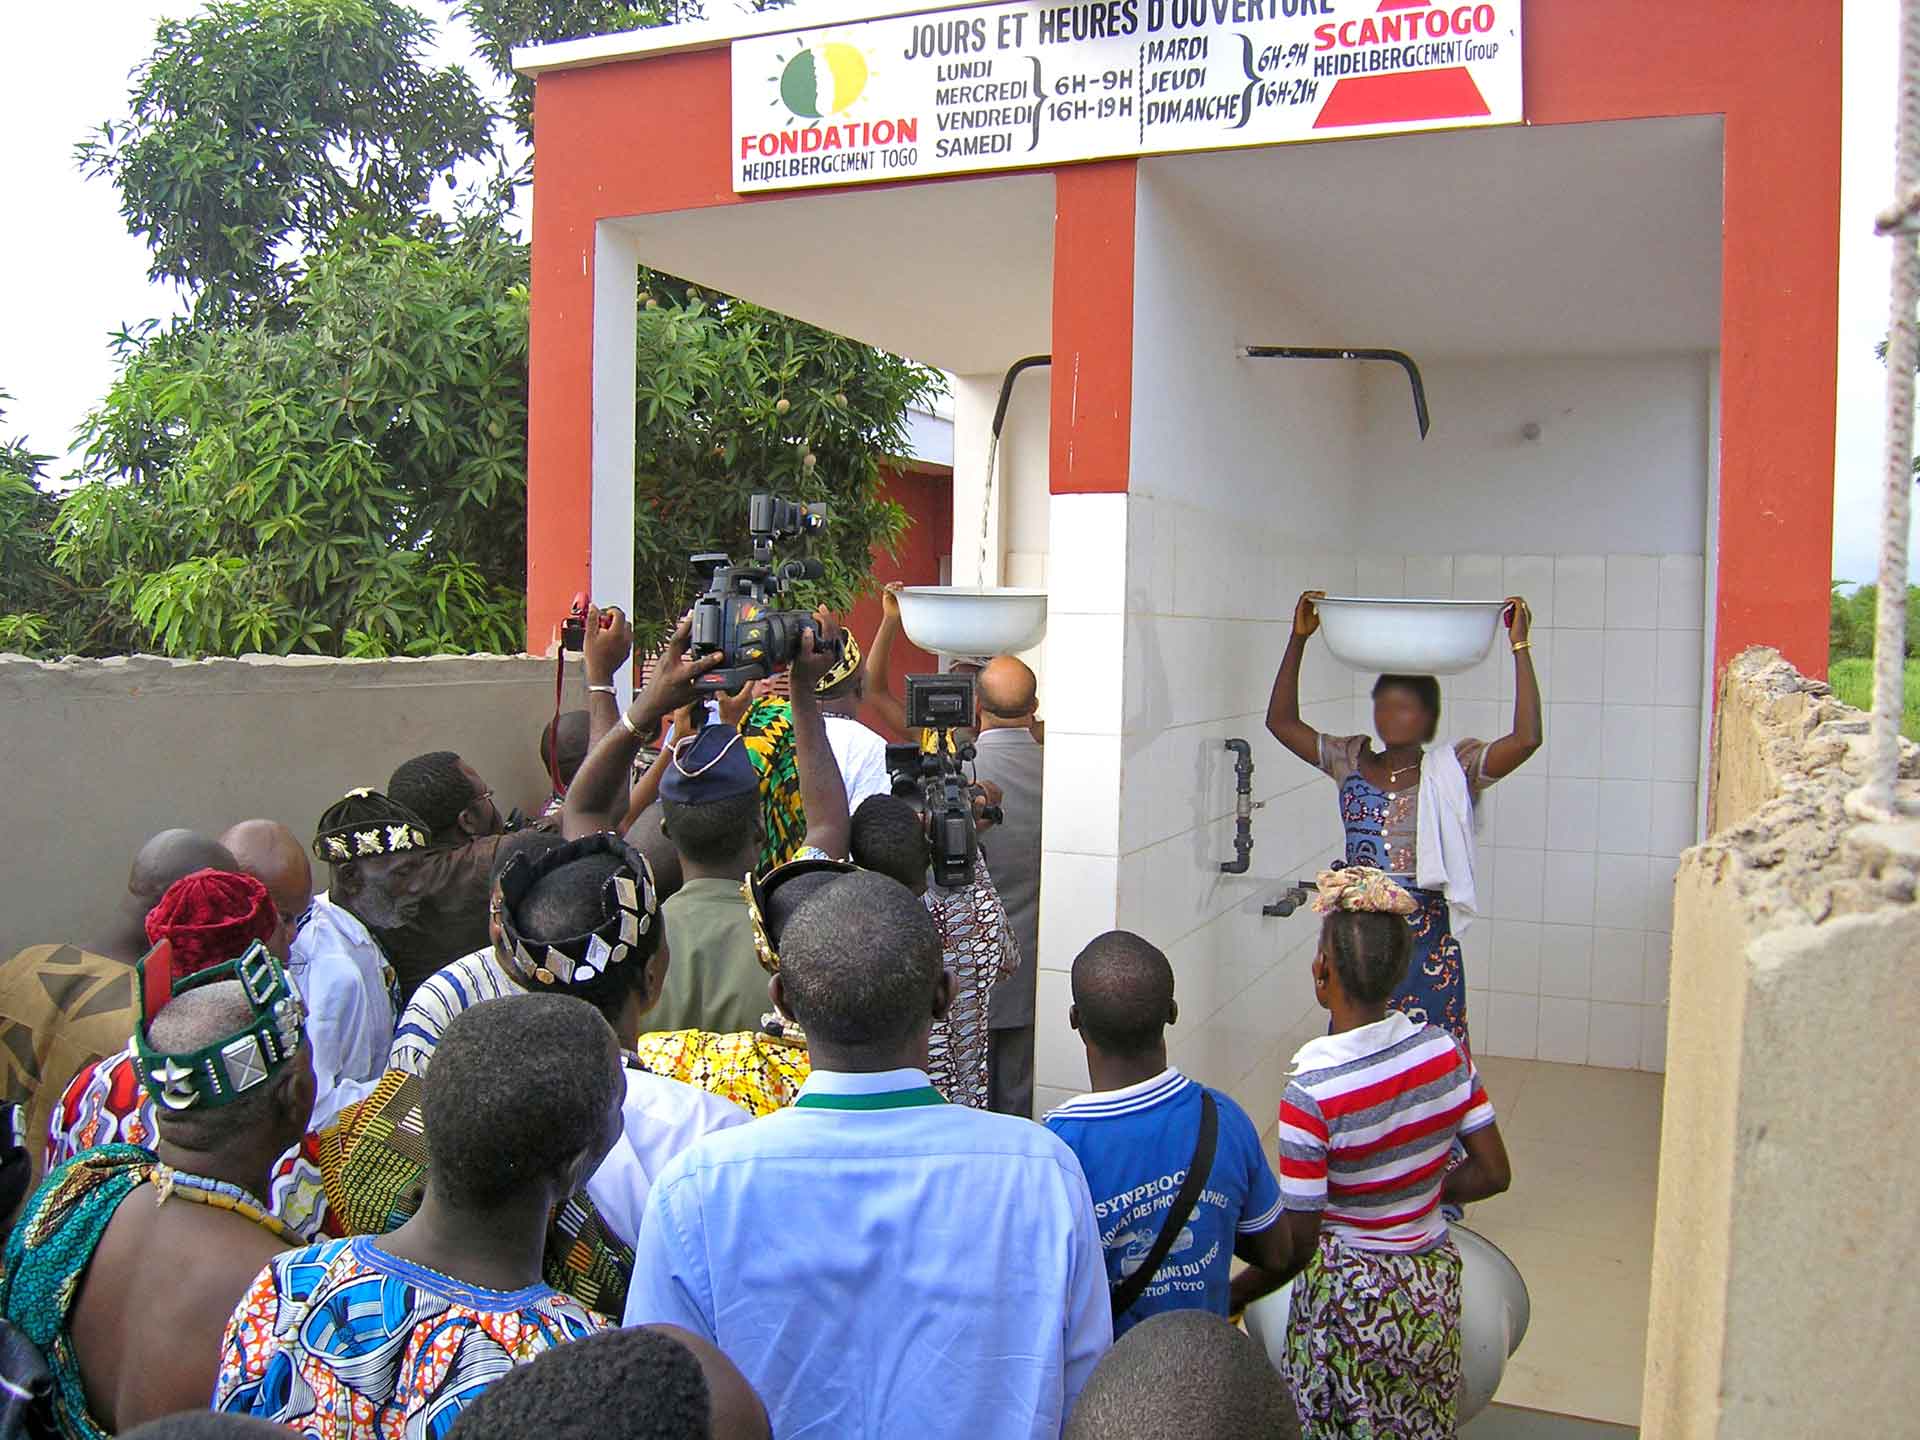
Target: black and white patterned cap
630 934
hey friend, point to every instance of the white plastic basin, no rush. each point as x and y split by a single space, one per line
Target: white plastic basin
962 620
1494 1312
1409 637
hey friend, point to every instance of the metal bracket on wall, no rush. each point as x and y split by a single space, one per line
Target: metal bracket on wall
1395 357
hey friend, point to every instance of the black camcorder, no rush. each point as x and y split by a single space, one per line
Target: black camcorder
736 616
942 704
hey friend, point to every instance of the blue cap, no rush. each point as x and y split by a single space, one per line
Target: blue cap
712 765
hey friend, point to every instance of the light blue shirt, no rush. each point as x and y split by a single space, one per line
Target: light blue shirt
882 1264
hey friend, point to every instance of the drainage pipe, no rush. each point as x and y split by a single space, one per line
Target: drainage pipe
1243 808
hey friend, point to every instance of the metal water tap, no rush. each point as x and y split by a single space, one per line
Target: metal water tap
1289 902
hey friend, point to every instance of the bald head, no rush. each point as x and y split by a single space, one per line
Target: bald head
1007 689
1122 993
169 856
273 855
1184 1372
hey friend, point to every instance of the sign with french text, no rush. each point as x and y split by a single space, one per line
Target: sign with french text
1009 86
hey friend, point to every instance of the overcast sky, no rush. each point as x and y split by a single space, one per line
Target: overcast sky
73 274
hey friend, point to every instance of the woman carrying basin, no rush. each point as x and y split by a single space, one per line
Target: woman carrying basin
1407 807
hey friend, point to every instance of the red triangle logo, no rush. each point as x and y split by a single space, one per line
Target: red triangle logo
1400 99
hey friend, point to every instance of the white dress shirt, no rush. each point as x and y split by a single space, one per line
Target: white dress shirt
882 1264
344 980
659 1119
862 757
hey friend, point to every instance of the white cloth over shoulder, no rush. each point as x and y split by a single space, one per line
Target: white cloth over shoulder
1444 852
660 1118
862 757
343 980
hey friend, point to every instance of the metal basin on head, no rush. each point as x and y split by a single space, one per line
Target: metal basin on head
966 620
1409 637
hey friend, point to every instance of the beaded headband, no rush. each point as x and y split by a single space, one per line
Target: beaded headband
632 902
222 1072
757 891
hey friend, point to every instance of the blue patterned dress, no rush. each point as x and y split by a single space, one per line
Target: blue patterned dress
1382 827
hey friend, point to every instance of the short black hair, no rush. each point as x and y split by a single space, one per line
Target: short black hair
1184 1372
888 835
569 901
1423 688
530 843
785 900
1370 950
434 787
711 833
860 961
518 1089
649 837
1123 989
206 1425
574 729
189 1021
641 1384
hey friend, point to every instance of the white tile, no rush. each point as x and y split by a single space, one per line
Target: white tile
1580 592
1515 966
1675 818
1573 740
1654 972
1629 667
1513 1025
1531 578
1563 1031
1521 875
1626 816
1082 792
1579 665
1619 964
1082 901
1676 743
1653 1037
1479 577
1626 742
1059 1062
1683 592
1620 894
1678 677
1660 873
1566 961
1476 719
1482 682
1477 1001
1084 666
1572 814
1145 563
1522 817
1380 576
1087 533
1429 577
1613 1037
1633 592
1567 884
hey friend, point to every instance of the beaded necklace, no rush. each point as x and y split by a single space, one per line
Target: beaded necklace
220 1195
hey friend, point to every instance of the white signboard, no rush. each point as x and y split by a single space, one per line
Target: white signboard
997 87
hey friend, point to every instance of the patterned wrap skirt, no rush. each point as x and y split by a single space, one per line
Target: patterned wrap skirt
1373 1343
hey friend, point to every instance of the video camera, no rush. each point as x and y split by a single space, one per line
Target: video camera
942 704
734 617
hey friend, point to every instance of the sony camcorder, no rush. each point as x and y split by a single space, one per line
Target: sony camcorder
736 616
942 704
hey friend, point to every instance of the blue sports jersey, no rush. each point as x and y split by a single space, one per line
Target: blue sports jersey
1134 1145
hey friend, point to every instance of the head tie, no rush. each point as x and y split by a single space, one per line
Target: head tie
222 1072
844 669
630 929
758 892
1362 888
364 823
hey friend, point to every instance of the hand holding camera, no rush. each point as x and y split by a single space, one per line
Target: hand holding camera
606 644
674 682
735 618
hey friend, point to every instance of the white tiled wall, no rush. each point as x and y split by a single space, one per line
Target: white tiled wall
1578 849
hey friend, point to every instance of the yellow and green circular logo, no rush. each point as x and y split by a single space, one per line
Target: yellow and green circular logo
823 80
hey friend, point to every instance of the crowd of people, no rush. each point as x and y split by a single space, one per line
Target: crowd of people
693 1107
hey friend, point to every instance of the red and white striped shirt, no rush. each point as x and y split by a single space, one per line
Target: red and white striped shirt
1366 1126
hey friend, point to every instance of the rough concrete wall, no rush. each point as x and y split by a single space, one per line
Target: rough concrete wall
99 754
1785 1296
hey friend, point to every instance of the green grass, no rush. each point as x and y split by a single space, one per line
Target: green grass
1852 681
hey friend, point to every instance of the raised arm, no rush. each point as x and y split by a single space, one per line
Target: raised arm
1511 751
891 709
597 799
823 791
607 647
1283 706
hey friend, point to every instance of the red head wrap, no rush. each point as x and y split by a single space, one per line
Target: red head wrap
211 917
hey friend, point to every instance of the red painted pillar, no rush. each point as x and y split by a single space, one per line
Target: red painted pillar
1092 373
